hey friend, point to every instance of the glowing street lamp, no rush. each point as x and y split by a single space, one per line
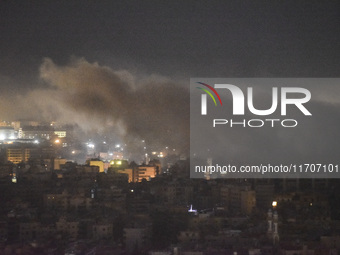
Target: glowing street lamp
90 145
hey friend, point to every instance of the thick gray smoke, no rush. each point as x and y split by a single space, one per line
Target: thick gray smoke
153 108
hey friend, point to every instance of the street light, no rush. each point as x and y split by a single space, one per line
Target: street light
274 204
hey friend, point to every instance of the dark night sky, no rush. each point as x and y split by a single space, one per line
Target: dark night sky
186 38
156 42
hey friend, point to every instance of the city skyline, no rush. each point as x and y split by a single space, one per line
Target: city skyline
106 107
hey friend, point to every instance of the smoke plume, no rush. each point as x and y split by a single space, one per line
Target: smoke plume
153 108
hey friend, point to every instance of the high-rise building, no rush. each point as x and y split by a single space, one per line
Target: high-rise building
18 154
38 132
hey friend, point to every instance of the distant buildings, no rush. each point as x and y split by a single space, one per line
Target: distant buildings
97 162
135 208
37 132
17 153
30 130
137 174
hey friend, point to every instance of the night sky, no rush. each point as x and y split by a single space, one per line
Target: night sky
124 61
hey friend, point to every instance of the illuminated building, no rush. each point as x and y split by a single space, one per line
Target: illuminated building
146 172
156 163
137 174
38 132
134 172
3 124
24 152
20 124
119 164
17 155
130 173
58 162
60 133
97 162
